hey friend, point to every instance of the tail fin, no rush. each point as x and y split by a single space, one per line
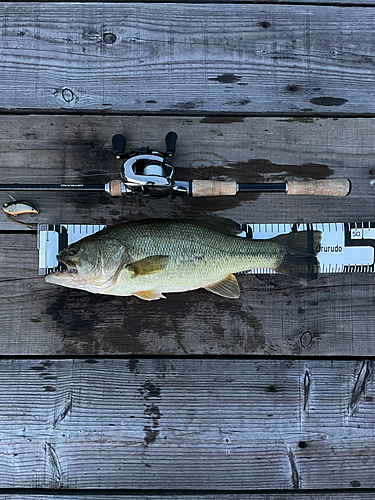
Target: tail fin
300 254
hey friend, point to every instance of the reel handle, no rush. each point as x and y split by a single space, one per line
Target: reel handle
170 141
118 145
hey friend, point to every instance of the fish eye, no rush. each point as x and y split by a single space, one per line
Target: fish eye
5 205
73 250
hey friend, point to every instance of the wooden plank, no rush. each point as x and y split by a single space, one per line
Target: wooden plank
77 149
275 315
311 2
183 424
303 2
187 58
292 495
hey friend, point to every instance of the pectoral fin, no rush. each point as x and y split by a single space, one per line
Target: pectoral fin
149 265
228 287
149 295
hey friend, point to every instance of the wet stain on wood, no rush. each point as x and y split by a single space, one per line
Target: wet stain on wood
227 78
222 119
192 322
35 320
151 412
133 366
150 434
154 412
89 323
67 311
38 368
189 105
260 170
149 390
82 320
299 119
49 388
328 101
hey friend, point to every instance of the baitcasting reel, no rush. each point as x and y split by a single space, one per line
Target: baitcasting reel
148 172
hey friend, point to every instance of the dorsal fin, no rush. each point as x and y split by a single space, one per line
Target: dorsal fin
219 224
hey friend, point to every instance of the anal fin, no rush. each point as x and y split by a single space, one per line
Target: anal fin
228 287
149 295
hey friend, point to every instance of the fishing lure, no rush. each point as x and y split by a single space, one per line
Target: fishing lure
19 207
15 208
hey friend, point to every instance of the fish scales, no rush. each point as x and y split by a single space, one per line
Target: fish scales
156 256
197 256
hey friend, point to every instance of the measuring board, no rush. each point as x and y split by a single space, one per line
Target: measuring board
345 247
53 238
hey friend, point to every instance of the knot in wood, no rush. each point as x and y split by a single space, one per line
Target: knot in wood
67 95
109 38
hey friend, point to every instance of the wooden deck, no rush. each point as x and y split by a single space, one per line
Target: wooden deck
270 396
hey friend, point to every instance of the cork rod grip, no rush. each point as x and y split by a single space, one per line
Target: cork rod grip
114 188
214 188
324 187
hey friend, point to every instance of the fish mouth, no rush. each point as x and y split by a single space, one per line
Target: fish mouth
69 277
69 269
65 273
66 266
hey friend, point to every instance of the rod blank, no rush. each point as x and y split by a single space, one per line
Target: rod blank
52 187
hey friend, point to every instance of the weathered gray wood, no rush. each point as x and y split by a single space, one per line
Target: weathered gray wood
178 58
303 2
70 149
292 495
183 424
275 315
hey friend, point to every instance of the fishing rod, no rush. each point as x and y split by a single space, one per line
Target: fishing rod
150 173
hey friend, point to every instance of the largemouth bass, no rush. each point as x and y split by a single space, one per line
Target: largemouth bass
148 258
